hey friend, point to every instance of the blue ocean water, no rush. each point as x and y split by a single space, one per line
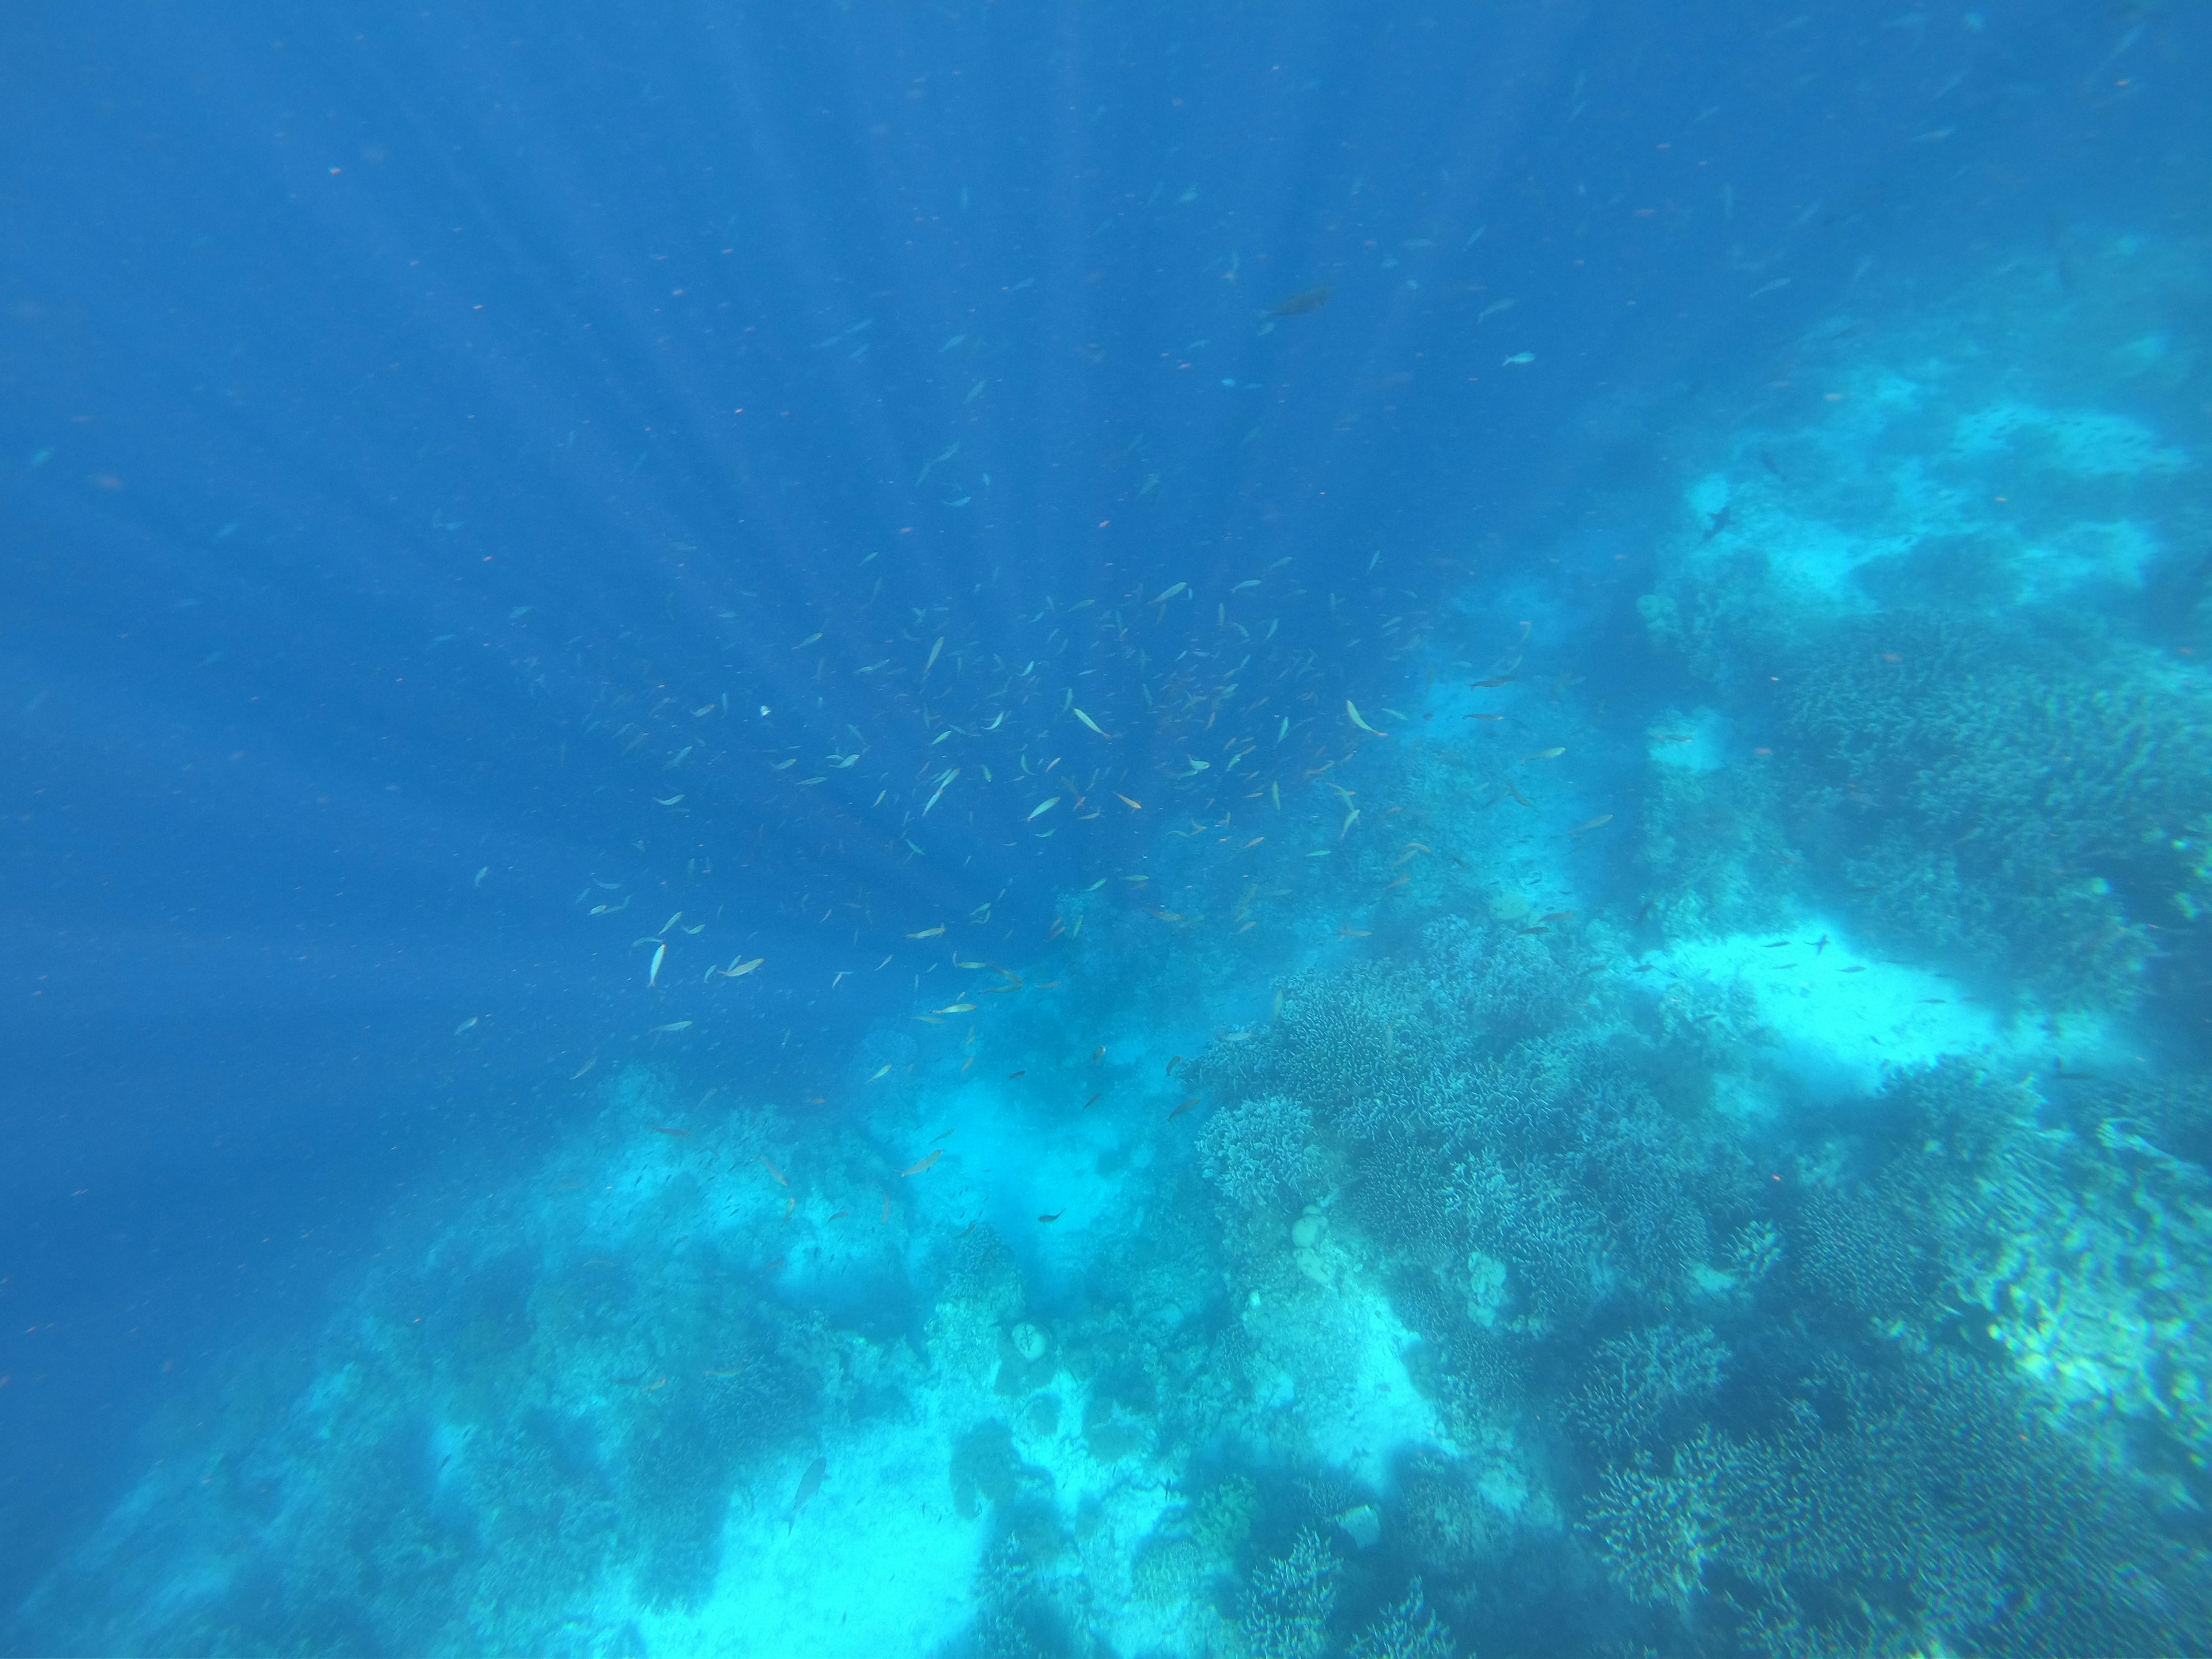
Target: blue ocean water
1013 829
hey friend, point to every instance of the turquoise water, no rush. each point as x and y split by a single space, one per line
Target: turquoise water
1609 1058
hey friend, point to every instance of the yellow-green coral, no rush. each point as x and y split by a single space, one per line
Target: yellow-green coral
1224 1516
1167 1570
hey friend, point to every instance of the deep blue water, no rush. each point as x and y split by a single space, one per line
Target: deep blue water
463 468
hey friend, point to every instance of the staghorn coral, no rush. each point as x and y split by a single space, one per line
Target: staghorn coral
1755 1251
1260 1153
1579 1175
1519 1099
1899 1509
1999 803
1529 1215
1393 1196
1406 1631
1442 1519
1709 841
2059 1239
1654 1530
1290 1600
1015 1616
1222 1522
983 1274
1636 1165
1960 1171
983 1294
2090 1266
1862 1255
2174 1112
1402 1103
1337 1040
1492 981
1478 1375
1637 1385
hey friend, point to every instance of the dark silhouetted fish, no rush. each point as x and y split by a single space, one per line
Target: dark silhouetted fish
1311 298
809 1484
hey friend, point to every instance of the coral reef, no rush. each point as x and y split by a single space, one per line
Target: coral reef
1500 983
1167 1571
1859 1252
1989 802
1337 1041
1636 1386
1406 1631
1290 1600
1260 1153
1222 1521
1442 1519
1637 1239
1582 1184
1925 1486
1656 1529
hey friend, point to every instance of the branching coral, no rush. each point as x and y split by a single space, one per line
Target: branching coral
1167 1570
1408 1630
1337 1040
984 1275
1641 1171
1221 1522
1491 980
1991 798
1899 1510
1525 1214
1393 1196
1579 1182
1863 1256
1959 1171
1518 1099
1442 1519
1015 1617
1259 1153
1291 1597
1478 1376
1655 1528
1637 1385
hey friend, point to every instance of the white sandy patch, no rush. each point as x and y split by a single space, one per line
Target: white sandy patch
1330 1375
877 1562
1835 1016
2116 554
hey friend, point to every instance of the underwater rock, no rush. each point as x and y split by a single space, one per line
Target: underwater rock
1307 1233
986 1469
1026 1362
1362 1525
